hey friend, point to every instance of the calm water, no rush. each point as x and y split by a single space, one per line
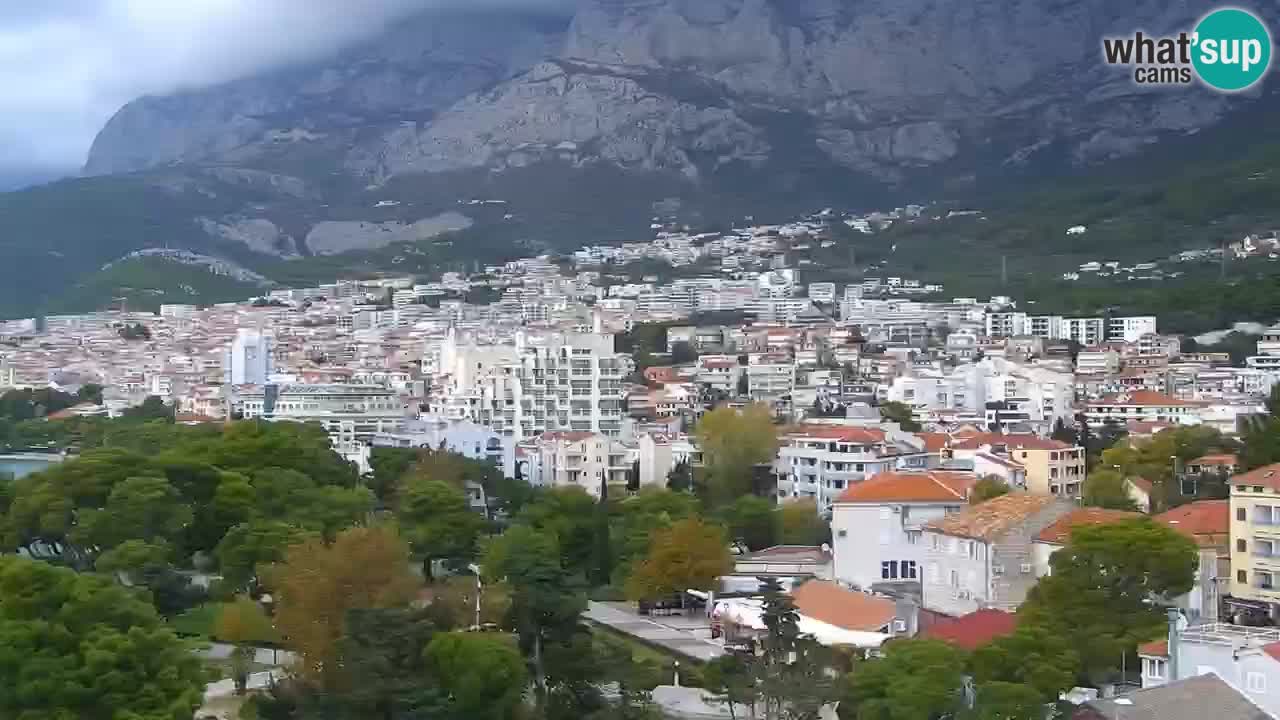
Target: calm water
19 466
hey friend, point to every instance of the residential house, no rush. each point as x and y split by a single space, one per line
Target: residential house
876 524
786 561
983 555
1255 541
1051 467
972 631
1245 658
1208 524
1215 464
1143 405
583 459
821 461
1055 536
1196 698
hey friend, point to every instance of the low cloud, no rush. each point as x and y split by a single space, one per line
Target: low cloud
67 65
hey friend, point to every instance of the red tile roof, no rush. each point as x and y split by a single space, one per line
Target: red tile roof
1157 648
1141 397
931 486
837 432
1060 530
974 630
992 518
848 609
1221 459
1272 649
933 442
1208 522
1265 476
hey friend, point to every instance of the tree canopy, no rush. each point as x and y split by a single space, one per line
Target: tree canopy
733 442
689 554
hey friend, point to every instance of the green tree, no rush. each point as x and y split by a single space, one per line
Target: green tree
139 508
1031 656
680 479
800 524
152 408
243 623
254 544
1006 701
914 680
1106 587
386 672
689 554
569 514
1261 441
1108 489
134 557
546 600
80 646
438 522
731 680
753 521
902 414
733 442
990 486
792 674
682 353
484 674
1064 433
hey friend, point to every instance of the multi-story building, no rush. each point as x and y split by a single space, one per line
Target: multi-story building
1143 406
590 461
1086 331
983 555
540 383
876 524
1255 540
1243 658
1051 467
770 376
248 361
821 461
351 414
432 432
1045 395
1207 523
1130 329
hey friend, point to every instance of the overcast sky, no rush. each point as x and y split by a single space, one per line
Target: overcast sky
67 65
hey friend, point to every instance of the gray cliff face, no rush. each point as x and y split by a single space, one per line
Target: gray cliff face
419 68
881 88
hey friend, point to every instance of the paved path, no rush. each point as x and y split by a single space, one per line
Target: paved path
690 637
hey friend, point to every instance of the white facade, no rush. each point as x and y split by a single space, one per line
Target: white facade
584 460
351 414
570 382
821 462
248 360
464 438
1129 329
1043 394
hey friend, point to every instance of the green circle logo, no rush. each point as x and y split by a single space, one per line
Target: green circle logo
1232 49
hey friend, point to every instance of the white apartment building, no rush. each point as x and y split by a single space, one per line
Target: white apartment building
351 414
569 382
824 292
1130 329
248 360
1098 362
1143 406
876 524
1244 657
585 460
432 432
770 376
1086 331
1043 394
821 461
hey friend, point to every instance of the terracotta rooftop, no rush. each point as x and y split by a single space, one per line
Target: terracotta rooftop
991 518
933 442
1156 648
1265 476
1208 522
1272 649
1060 530
1141 397
848 609
1220 459
931 486
838 433
974 630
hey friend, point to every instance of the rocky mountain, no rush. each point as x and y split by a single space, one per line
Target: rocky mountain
586 121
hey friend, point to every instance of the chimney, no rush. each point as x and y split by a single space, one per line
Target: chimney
1175 618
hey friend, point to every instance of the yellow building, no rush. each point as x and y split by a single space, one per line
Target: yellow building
1255 535
1053 467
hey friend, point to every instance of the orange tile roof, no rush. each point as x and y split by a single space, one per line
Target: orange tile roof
933 442
1266 476
991 518
1141 397
931 486
848 609
1060 530
1020 441
838 432
1208 522
1157 648
1221 459
974 630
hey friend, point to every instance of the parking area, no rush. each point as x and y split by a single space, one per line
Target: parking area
687 636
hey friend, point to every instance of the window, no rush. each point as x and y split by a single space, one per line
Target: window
1256 682
1242 576
889 570
1153 668
908 570
842 533
954 579
1240 546
934 541
899 625
1240 514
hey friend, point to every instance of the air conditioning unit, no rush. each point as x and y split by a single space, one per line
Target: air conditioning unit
997 569
1026 568
962 595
